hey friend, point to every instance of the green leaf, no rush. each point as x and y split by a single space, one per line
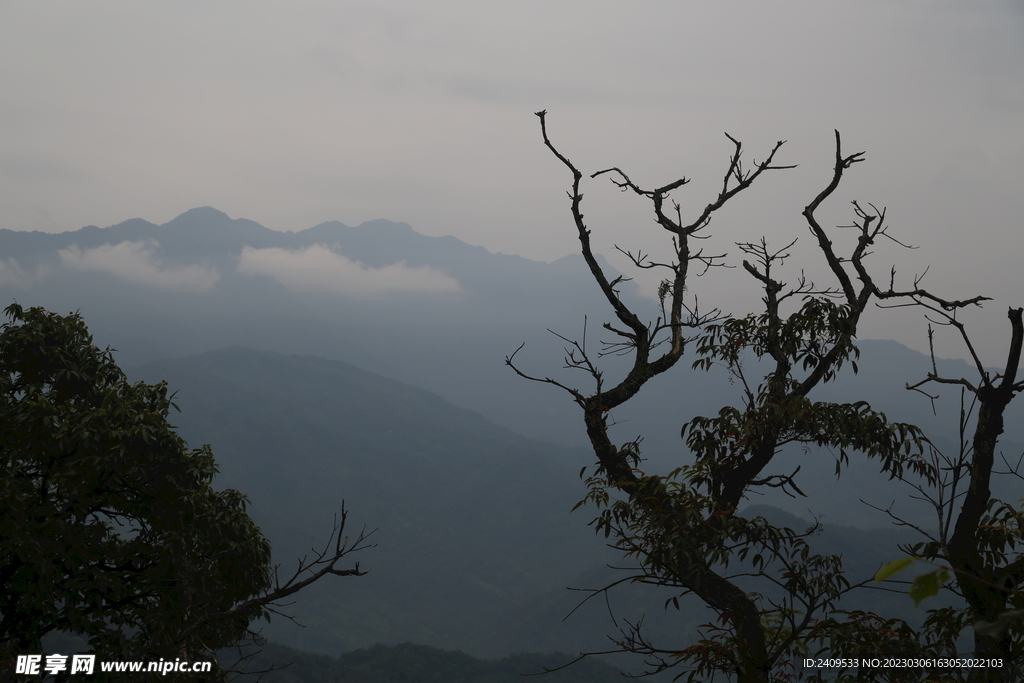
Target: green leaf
893 568
928 585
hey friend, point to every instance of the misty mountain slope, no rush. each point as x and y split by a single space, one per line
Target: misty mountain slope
208 236
477 547
472 519
364 296
184 291
202 234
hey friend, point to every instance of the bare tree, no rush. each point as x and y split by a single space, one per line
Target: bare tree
976 534
682 528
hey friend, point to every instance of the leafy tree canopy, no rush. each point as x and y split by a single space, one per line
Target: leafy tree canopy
110 527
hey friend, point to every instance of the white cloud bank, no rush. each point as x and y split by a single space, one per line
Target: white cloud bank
317 267
135 262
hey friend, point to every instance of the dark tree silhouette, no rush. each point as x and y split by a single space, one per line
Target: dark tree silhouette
976 536
109 526
682 528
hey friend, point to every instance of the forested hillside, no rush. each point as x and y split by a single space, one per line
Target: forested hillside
476 546
177 289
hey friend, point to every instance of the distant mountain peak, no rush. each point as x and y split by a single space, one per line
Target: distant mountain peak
201 213
203 218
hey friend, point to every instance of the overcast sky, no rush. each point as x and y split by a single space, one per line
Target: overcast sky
291 114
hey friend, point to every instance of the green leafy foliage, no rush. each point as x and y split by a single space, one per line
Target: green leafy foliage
110 527
996 537
683 528
893 568
810 335
928 584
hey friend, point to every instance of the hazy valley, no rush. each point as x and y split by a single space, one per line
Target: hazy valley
366 365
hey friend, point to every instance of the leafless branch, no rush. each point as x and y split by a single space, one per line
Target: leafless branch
510 361
309 571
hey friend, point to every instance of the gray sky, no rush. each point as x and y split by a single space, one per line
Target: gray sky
292 114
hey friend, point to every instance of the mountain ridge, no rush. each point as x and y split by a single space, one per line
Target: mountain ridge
451 343
469 514
476 541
